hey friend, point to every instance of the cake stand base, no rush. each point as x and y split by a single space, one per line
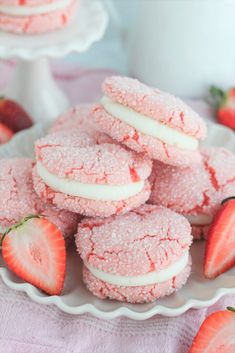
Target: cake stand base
35 89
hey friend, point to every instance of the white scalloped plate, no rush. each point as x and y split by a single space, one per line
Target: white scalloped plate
88 27
197 293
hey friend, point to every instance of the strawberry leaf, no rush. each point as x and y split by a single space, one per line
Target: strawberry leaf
227 199
230 308
17 225
217 97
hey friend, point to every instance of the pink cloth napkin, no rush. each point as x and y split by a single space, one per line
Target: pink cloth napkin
27 327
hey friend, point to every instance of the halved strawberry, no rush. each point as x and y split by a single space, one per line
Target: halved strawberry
13 115
5 133
216 334
34 250
220 246
224 104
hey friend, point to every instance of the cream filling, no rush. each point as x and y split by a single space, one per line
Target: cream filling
149 126
34 10
89 191
200 219
144 280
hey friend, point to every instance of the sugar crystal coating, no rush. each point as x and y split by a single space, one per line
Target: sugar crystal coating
75 118
155 104
87 207
195 190
39 23
18 198
139 294
87 158
153 147
149 238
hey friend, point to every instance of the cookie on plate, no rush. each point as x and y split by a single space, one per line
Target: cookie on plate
148 120
35 16
75 118
85 173
196 192
18 198
137 257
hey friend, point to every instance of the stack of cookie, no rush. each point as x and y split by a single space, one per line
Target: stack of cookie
127 165
94 163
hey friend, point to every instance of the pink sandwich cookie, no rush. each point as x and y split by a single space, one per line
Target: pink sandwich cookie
137 257
36 16
196 192
149 120
85 173
76 118
18 198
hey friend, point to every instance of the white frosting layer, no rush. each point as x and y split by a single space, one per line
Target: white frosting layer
89 191
200 219
144 280
34 10
149 126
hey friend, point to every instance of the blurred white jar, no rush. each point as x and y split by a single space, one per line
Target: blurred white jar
183 46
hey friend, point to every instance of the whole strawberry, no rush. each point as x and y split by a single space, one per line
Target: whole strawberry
224 104
216 334
13 115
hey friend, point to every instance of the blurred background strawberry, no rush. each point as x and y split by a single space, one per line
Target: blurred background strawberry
13 115
5 133
13 118
224 105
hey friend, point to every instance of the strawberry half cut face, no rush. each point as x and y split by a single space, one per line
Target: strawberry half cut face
216 334
220 246
35 251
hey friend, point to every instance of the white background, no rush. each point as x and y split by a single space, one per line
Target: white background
109 52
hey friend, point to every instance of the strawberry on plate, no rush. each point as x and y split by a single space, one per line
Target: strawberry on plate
216 334
13 115
5 133
224 104
34 249
220 246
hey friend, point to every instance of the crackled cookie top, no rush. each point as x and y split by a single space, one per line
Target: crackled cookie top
86 158
147 239
75 118
197 190
18 198
155 104
34 17
149 121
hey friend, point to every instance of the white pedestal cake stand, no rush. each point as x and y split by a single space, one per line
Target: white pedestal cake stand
33 85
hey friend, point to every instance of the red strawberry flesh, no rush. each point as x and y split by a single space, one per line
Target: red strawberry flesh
226 116
35 251
216 334
220 247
